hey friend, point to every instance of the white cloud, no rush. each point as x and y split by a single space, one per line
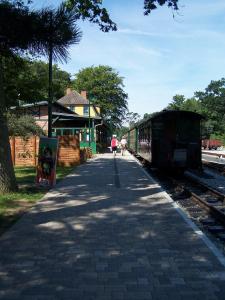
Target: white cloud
136 32
148 51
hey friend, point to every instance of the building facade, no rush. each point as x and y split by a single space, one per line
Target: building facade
71 115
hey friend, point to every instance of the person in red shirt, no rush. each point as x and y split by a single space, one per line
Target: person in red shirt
114 144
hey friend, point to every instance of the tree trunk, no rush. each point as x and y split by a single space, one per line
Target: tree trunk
7 175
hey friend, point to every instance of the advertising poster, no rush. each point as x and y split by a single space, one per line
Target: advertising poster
47 159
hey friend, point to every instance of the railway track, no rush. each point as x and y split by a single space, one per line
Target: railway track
209 199
215 166
203 204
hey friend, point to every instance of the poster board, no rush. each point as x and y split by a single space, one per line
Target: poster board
47 159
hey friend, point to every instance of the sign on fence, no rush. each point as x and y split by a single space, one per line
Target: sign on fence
25 152
47 159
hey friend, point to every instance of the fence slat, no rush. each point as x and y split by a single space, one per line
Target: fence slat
24 152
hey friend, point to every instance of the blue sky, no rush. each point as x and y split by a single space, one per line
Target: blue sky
158 56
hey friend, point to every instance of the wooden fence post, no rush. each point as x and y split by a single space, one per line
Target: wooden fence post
34 142
13 150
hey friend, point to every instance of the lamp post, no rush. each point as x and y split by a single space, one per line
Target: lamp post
50 81
89 122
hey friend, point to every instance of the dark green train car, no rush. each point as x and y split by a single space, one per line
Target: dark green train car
170 139
132 140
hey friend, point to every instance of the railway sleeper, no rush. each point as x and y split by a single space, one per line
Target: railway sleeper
213 201
216 229
208 221
221 236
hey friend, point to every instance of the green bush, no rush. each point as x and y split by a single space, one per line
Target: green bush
24 125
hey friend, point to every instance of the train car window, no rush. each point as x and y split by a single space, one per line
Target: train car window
141 134
158 129
149 131
145 133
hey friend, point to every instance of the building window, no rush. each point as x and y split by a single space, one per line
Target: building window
86 110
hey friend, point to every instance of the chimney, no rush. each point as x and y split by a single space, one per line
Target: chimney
68 91
83 94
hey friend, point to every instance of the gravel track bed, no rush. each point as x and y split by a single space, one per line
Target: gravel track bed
194 211
211 178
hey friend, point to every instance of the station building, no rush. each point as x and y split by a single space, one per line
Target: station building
72 114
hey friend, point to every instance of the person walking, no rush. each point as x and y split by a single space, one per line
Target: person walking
114 144
123 145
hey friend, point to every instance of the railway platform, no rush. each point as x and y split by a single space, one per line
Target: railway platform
108 231
216 153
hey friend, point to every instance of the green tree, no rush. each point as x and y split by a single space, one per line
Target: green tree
207 128
132 118
27 80
146 116
213 104
192 104
34 81
12 68
180 103
24 31
24 125
120 132
93 10
105 88
177 103
150 5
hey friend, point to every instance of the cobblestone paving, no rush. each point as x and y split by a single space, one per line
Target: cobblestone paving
107 232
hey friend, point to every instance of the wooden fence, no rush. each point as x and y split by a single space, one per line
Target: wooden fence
25 152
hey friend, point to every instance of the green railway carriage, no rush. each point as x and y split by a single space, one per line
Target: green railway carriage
132 139
169 139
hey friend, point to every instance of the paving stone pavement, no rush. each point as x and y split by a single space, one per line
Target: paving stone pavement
107 232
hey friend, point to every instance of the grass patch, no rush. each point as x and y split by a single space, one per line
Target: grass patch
13 205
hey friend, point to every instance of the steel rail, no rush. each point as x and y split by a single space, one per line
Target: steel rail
214 211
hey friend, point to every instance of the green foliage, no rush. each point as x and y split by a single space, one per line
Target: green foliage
17 30
57 29
120 132
211 104
150 5
22 30
147 115
180 103
24 125
92 11
212 101
207 128
105 88
132 118
177 103
28 80
192 105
